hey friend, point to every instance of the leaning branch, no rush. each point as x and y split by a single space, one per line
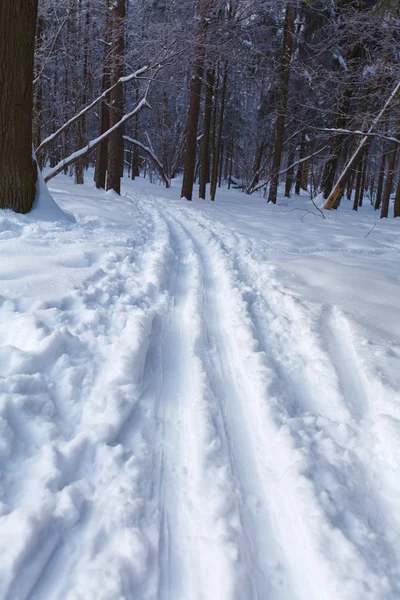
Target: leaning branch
337 192
364 133
154 157
103 96
298 162
94 143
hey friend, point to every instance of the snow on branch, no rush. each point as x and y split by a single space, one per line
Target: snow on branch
103 96
154 157
364 133
295 164
94 143
337 191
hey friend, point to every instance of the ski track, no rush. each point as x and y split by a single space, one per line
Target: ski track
350 526
228 451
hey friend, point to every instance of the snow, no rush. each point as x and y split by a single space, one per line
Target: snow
198 400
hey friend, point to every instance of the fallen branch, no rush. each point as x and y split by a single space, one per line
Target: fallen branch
94 143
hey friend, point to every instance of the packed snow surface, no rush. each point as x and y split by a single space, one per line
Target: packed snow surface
198 400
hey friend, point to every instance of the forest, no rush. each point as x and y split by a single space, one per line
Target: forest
253 94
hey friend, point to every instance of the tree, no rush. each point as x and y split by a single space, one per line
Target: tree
284 75
194 103
115 153
18 169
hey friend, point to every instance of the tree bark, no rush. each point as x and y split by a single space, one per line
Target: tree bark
216 157
381 178
194 104
290 173
205 143
387 190
18 170
284 75
115 158
100 172
396 212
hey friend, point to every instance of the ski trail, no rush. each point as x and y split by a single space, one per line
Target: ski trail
197 548
331 547
230 386
345 362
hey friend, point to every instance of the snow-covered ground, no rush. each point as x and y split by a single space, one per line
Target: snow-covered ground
198 400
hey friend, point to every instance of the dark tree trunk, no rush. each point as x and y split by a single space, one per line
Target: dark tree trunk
135 155
390 173
331 165
290 173
397 201
303 154
358 188
81 124
194 105
18 170
100 172
284 75
381 178
38 91
115 163
205 143
216 157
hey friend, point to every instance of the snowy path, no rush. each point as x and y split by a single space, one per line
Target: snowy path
184 426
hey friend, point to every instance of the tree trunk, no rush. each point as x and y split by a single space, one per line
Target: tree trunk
100 171
205 143
381 178
390 173
290 173
115 163
397 201
38 90
18 170
303 154
194 105
80 164
284 75
216 157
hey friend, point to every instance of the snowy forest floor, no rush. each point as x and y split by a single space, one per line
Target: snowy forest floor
198 400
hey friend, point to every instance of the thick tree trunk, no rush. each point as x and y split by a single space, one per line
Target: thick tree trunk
194 105
115 157
18 170
284 74
38 90
205 142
